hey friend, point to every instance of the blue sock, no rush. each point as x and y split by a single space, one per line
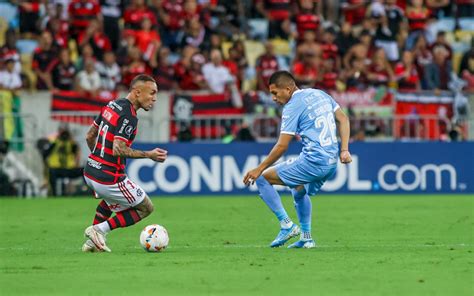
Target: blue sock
271 197
303 210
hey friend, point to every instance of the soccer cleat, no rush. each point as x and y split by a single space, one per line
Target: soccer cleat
285 235
303 244
97 237
89 246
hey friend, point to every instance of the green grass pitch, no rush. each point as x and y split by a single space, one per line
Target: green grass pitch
368 245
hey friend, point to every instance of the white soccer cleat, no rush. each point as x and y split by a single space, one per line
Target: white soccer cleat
89 246
97 237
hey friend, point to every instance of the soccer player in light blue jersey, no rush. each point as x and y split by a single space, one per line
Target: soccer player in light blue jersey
312 114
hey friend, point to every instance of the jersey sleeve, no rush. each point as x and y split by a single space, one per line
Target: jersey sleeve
97 120
289 119
334 104
126 126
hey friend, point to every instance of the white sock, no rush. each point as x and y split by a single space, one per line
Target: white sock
286 223
103 227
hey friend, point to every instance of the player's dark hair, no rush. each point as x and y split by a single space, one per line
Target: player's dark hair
141 77
282 78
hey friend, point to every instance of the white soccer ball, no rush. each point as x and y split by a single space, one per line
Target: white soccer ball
154 238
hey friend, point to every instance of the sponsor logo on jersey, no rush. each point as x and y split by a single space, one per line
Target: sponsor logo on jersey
128 130
107 115
115 105
94 164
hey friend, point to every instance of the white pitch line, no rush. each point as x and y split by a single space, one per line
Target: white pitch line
462 245
238 246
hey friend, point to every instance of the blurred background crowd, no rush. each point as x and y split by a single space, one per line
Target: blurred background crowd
91 46
373 56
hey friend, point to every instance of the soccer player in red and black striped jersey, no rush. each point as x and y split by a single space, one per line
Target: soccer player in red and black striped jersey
109 139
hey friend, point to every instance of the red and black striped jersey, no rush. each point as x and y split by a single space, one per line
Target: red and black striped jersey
117 121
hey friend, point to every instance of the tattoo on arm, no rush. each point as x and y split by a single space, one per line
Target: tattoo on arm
92 136
122 150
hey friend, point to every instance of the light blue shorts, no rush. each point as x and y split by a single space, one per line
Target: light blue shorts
299 171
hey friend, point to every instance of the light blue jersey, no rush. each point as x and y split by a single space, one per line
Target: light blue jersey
310 114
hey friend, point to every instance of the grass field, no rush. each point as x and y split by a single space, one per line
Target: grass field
368 245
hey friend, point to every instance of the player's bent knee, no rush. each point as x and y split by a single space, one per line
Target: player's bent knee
145 208
299 192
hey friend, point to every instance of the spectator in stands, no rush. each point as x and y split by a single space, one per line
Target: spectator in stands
9 79
438 73
278 14
329 48
306 70
363 50
307 17
380 73
407 74
128 42
9 51
195 34
112 12
231 63
266 65
63 160
95 37
29 17
354 11
109 72
441 41
215 42
308 44
193 78
345 39
327 75
63 72
87 53
53 12
388 28
136 12
43 58
216 74
418 16
193 9
468 74
81 12
355 76
239 56
60 31
135 66
423 57
184 63
464 8
171 14
163 70
88 80
147 39
439 8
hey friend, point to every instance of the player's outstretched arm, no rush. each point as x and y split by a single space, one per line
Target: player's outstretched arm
92 136
280 147
344 132
122 150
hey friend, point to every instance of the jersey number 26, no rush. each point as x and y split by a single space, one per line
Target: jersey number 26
327 124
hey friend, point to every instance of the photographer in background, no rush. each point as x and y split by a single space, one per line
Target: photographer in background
62 159
6 188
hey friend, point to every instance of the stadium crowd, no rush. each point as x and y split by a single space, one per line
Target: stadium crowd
190 45
199 45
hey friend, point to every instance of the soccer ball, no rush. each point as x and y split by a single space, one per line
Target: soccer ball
154 238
